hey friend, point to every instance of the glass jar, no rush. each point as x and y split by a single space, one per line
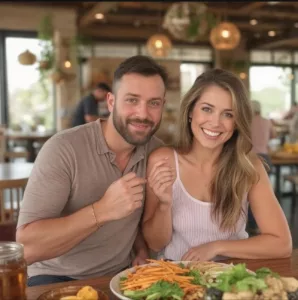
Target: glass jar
13 271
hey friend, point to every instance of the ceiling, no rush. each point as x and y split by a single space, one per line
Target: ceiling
137 21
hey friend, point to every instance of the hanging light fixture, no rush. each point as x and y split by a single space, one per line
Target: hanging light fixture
225 36
159 45
27 58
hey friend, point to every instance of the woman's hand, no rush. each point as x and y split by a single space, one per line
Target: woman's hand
160 180
203 252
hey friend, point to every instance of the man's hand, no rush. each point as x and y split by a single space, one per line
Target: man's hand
122 197
141 258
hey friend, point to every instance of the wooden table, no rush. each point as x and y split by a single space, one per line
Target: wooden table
15 171
30 138
278 163
285 267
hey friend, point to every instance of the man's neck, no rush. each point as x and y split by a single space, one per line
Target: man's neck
114 140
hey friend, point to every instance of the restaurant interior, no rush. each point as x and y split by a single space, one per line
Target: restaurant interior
54 53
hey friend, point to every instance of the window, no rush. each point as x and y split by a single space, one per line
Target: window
271 85
188 74
29 99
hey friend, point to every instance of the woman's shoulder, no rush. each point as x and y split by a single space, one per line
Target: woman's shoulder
162 153
258 163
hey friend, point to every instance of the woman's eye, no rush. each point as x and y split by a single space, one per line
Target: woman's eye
228 115
206 109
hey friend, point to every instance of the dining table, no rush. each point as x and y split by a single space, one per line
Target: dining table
30 138
287 267
278 163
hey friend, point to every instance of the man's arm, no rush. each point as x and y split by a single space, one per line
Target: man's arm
49 238
42 230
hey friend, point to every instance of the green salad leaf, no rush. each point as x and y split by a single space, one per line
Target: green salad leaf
227 279
263 272
159 290
250 284
198 280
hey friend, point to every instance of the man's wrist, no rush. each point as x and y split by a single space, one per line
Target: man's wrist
100 216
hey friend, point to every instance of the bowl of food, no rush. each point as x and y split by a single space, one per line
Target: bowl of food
169 280
74 293
201 280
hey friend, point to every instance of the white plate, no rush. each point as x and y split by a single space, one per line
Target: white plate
115 282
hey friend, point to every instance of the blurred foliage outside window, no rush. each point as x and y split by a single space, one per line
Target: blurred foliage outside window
30 101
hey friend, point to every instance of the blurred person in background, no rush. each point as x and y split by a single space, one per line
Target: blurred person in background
290 114
262 131
88 108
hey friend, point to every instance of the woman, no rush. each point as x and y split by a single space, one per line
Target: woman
198 192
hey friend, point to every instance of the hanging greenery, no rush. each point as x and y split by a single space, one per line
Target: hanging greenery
77 41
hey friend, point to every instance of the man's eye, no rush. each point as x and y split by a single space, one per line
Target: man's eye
155 103
131 100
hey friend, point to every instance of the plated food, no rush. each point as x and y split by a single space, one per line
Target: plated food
201 281
74 293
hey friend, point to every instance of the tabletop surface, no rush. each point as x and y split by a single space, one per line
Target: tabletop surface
29 135
15 170
285 267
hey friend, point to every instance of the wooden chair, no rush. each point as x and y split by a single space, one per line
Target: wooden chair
11 195
7 155
293 179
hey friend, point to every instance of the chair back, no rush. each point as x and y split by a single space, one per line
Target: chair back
11 195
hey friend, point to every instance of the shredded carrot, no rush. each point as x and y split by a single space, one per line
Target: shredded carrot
145 276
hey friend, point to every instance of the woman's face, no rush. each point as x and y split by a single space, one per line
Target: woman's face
212 119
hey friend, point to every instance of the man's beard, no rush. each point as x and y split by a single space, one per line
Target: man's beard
129 137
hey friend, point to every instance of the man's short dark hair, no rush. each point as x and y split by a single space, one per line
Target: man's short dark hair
140 64
103 86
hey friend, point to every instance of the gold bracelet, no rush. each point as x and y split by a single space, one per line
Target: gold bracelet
97 224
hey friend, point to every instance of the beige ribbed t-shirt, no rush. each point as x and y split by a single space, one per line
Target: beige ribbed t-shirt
73 169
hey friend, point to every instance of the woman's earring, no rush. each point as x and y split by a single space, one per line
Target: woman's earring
189 120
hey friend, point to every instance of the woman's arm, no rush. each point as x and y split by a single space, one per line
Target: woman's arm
275 239
157 220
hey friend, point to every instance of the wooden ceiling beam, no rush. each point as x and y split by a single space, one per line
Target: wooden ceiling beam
99 7
251 7
258 13
156 20
218 10
283 43
145 5
108 31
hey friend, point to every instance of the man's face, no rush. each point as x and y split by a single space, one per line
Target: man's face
137 107
100 95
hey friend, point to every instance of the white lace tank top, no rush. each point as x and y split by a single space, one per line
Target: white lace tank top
192 223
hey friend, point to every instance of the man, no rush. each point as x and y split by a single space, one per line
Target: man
84 199
87 109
